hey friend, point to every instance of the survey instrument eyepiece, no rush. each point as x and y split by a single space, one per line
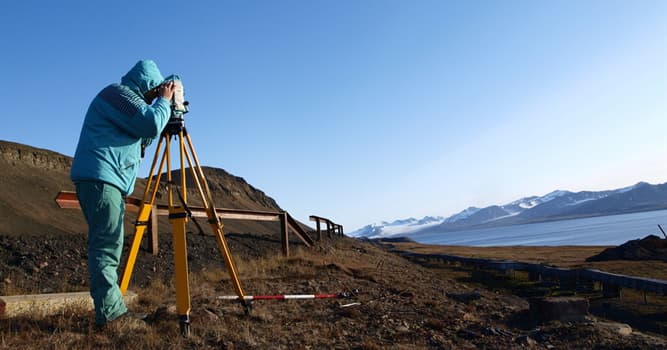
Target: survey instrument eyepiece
179 106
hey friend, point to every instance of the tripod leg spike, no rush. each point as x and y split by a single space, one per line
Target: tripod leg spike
185 325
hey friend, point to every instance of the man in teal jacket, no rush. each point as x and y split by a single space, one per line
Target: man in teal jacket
119 123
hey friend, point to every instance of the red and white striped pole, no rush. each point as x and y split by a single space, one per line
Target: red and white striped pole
279 297
290 296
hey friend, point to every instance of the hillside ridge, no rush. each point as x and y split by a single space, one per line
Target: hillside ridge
32 177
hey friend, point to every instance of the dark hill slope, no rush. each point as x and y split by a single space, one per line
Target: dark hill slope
31 178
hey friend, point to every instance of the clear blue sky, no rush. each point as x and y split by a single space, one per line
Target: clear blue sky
363 111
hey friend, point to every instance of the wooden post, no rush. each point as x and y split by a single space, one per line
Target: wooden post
534 276
328 229
283 233
341 231
319 231
153 227
611 291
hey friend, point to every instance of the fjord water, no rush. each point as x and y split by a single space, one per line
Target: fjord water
601 230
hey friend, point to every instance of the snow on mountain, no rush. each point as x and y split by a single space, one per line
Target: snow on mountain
462 215
397 227
429 219
523 204
552 204
402 222
553 195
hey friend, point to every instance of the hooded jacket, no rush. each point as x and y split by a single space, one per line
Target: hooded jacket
118 121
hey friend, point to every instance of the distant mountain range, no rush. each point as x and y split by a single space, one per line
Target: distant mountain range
557 205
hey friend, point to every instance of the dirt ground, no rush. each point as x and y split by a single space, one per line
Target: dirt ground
400 304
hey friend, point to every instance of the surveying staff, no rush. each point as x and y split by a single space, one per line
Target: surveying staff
119 123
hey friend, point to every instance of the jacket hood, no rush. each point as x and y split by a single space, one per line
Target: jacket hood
144 76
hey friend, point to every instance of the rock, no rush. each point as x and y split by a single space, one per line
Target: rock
614 327
566 309
470 317
525 340
650 247
466 297
497 332
467 334
402 329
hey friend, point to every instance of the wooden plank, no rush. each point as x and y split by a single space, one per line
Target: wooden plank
296 228
36 305
332 227
315 218
241 216
68 200
319 218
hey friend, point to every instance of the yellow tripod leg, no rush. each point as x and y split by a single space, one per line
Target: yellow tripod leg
178 218
139 230
214 220
227 256
144 214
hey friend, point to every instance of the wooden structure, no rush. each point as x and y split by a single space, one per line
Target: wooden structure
611 282
333 229
67 199
37 305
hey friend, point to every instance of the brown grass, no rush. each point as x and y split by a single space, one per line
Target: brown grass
396 294
562 256
640 309
216 323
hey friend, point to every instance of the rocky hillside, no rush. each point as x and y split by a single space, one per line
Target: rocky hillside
32 177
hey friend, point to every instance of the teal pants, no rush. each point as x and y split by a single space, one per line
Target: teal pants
103 207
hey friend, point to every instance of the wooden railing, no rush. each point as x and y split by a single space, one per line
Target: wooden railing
68 199
332 227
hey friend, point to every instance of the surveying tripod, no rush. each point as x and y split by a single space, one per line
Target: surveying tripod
178 215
